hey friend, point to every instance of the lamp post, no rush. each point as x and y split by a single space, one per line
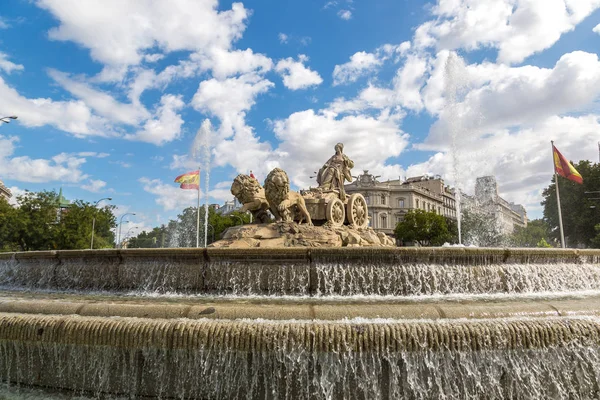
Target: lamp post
238 217
127 235
6 120
94 219
120 224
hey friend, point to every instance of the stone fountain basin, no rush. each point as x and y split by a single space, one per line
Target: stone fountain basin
303 309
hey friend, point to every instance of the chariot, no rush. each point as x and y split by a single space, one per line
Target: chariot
328 207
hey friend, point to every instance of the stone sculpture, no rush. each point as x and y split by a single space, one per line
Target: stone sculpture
335 172
286 205
251 194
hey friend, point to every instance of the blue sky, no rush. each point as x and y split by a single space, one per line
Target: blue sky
111 94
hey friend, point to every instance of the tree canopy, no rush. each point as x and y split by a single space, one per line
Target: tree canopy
37 223
535 234
181 232
579 218
424 228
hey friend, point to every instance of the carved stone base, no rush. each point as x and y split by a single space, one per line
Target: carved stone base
290 234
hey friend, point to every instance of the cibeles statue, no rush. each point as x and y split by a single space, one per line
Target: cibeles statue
251 194
335 172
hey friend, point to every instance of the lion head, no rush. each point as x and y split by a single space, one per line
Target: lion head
245 188
277 187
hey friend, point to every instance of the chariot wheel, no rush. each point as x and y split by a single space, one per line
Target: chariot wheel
356 210
336 213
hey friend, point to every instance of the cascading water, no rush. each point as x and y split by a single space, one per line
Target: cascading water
313 323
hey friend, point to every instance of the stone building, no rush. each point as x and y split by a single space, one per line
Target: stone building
389 201
4 191
487 199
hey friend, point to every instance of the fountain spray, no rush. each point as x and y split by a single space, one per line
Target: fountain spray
201 152
454 83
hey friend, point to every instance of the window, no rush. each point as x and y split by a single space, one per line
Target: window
384 221
401 203
416 203
383 199
367 199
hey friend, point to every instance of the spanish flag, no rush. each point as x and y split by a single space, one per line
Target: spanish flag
189 180
564 168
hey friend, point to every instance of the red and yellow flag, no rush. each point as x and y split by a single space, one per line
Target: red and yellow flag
564 167
189 180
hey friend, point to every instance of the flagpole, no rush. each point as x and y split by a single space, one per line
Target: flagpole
560 223
198 213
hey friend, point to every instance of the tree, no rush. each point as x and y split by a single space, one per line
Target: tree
535 234
578 218
181 232
37 223
422 227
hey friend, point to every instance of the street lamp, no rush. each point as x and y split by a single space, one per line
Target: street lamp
127 235
6 120
94 219
120 223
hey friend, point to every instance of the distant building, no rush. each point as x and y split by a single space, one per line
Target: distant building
389 201
229 206
4 191
487 199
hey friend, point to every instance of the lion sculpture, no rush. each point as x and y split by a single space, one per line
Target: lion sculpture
286 205
252 196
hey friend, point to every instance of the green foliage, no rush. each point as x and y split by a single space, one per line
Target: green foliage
535 234
38 224
182 231
424 228
543 243
579 219
595 242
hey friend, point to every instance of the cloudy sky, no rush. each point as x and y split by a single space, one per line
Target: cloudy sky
115 98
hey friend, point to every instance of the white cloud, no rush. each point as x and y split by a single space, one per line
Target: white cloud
307 141
224 63
408 82
8 66
166 127
283 38
4 24
103 103
95 186
506 97
92 154
517 28
345 14
152 58
119 32
70 116
596 29
170 196
360 64
63 167
296 75
16 192
229 99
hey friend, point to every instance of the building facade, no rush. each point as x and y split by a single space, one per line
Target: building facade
487 199
4 191
389 201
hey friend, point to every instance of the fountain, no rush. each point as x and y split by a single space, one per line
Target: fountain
363 322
